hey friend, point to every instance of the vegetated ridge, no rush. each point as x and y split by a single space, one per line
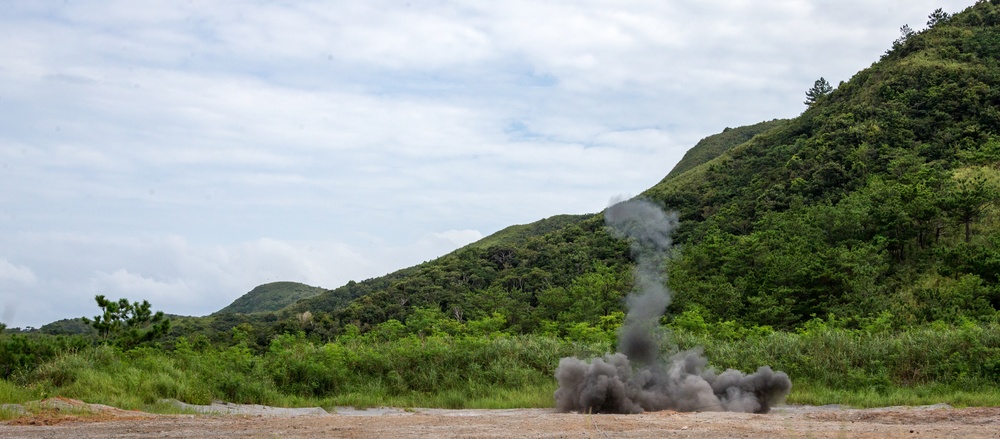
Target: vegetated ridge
713 146
271 297
877 201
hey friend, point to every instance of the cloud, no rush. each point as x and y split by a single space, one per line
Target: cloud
123 283
15 274
182 277
15 281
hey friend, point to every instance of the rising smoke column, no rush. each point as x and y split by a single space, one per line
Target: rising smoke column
634 380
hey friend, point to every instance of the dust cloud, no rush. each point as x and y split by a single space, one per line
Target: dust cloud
636 379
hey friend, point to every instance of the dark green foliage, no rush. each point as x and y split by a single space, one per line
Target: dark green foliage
825 352
271 297
519 234
340 297
819 89
716 144
937 17
850 207
128 324
23 353
68 327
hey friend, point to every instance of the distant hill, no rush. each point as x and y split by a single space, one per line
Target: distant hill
271 297
67 327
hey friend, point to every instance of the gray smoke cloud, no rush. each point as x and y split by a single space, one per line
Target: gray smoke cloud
635 380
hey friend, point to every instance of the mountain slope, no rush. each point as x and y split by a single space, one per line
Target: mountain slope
271 297
877 203
713 146
518 234
880 199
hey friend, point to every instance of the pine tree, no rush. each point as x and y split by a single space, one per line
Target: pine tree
819 89
128 324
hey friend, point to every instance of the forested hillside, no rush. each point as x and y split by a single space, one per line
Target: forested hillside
880 198
877 202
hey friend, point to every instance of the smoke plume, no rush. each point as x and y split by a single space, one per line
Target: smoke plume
636 379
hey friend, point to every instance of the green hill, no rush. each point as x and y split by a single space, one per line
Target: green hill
878 202
271 297
716 144
67 326
518 234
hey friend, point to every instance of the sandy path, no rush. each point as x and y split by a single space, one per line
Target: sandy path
790 422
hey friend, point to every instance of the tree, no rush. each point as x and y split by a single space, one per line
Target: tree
905 33
819 89
128 324
967 200
938 16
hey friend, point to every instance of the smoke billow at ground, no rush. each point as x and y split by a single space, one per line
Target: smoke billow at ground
636 379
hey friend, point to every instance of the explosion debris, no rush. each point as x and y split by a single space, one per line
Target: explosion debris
635 379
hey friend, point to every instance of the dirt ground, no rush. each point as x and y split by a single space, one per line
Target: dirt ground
72 419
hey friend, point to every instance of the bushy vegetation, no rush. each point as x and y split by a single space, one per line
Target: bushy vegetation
826 354
382 367
411 365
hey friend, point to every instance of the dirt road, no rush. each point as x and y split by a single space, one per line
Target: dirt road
789 421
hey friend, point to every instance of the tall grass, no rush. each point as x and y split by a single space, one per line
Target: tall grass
482 372
11 393
957 365
812 394
965 357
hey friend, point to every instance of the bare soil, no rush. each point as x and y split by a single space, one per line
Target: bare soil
84 421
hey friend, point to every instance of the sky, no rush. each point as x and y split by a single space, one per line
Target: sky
185 152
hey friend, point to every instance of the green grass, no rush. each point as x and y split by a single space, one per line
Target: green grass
11 393
805 393
954 365
532 396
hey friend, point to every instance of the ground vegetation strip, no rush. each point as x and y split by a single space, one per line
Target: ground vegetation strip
394 365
